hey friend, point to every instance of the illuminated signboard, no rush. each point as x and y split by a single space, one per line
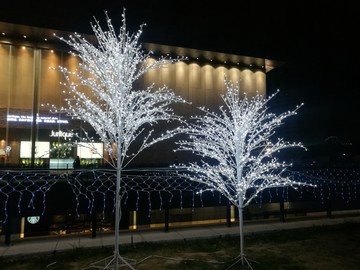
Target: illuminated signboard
42 149
39 119
33 219
62 134
90 150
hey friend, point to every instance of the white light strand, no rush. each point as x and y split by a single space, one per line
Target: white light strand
236 149
119 114
26 187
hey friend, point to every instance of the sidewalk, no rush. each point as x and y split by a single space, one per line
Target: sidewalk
53 244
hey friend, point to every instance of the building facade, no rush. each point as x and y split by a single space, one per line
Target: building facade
32 136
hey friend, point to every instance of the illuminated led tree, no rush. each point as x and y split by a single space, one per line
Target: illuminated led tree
237 150
119 114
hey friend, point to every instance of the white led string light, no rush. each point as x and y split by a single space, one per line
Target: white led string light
25 187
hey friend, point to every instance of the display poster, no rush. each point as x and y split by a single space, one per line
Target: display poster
42 149
90 150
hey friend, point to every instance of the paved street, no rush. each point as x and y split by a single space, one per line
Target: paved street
66 242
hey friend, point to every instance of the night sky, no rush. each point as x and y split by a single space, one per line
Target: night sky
317 40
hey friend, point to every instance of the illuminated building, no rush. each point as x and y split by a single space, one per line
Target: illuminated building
31 137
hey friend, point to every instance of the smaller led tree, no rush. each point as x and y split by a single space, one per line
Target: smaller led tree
237 149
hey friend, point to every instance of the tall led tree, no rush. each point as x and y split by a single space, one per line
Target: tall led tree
119 114
237 149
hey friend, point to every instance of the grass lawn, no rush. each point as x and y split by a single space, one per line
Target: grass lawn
335 247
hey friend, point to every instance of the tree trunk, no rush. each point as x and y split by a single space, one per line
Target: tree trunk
241 223
117 210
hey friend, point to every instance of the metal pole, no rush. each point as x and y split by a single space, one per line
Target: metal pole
117 206
240 209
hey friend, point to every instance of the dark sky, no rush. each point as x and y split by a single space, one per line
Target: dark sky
318 41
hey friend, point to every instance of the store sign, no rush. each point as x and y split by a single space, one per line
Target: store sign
39 119
33 219
61 134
